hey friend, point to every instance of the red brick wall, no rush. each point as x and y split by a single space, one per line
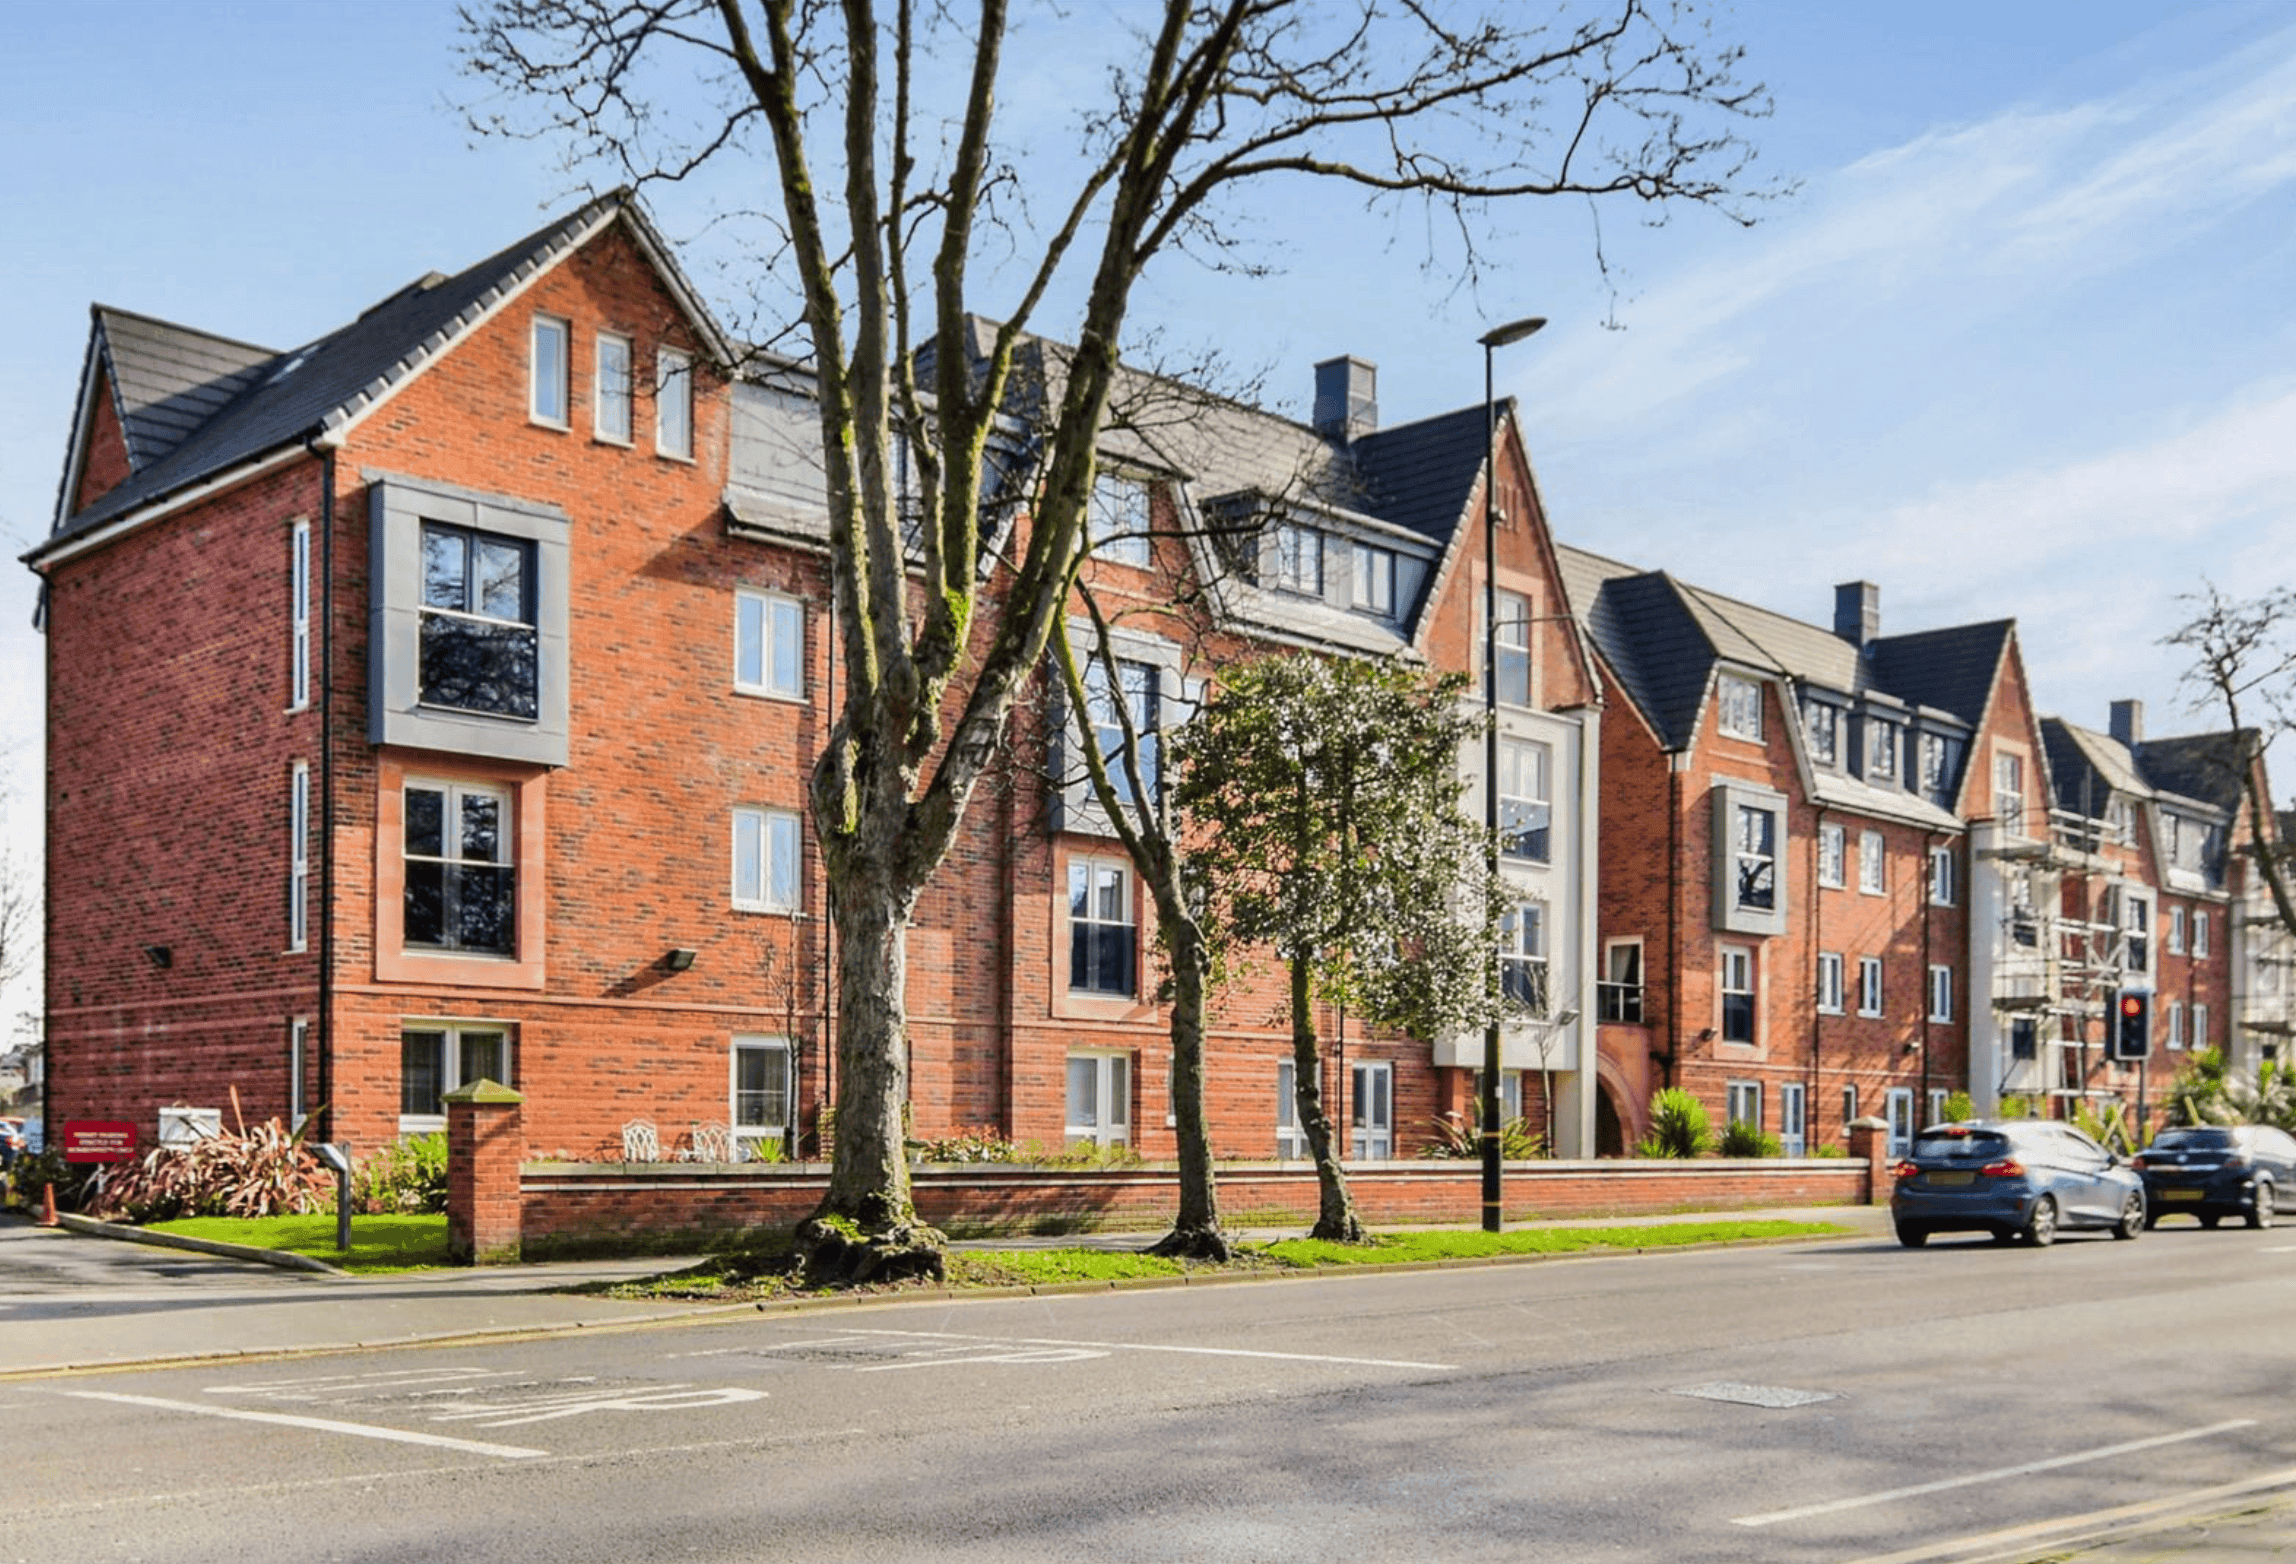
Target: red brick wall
664 1208
104 465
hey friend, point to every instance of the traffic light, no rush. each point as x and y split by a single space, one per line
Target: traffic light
2132 1026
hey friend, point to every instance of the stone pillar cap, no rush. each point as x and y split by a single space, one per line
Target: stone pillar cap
483 1093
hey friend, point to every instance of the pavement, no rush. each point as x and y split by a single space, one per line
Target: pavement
92 1302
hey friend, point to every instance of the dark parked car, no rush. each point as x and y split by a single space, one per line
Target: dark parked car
2013 1178
2214 1171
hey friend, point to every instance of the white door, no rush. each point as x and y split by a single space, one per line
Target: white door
1900 1120
1793 1123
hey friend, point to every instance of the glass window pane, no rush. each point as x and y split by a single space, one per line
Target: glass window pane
1119 1092
1083 1093
749 641
788 648
782 837
422 1064
485 1057
748 843
502 579
481 828
446 571
426 821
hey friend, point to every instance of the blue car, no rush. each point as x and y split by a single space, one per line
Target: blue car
2215 1171
2018 1179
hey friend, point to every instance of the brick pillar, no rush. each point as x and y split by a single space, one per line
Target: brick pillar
1869 1143
485 1143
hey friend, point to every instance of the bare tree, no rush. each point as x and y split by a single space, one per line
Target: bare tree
2244 666
883 200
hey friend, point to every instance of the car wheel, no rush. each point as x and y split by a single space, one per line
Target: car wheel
2132 1220
2261 1213
1910 1236
2209 1219
2041 1226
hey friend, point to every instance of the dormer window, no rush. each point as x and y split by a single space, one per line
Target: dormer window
1299 559
1374 580
1116 520
1881 748
1739 707
1823 724
1936 768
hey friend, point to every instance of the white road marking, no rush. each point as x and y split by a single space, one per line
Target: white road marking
318 1424
1024 1355
2278 1249
543 1409
2075 1459
1135 1346
2068 1530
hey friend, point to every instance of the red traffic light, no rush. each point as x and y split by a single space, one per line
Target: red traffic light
2132 1005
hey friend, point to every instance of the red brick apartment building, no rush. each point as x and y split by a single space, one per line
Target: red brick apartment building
436 702
1786 901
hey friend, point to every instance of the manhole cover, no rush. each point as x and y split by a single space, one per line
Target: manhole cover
1756 1395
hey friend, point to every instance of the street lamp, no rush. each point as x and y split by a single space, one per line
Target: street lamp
1493 340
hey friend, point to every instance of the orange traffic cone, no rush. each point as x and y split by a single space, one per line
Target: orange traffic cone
47 1205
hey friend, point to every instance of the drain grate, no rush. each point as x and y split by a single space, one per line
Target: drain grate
1756 1395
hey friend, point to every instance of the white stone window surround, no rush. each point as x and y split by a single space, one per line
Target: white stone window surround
1732 912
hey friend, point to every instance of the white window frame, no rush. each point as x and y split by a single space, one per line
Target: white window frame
2009 791
549 392
1116 519
1942 887
1849 1105
298 1051
1933 767
1936 1104
299 855
1523 975
2136 921
2176 931
1742 1103
1793 1119
1109 1074
768 644
1940 992
454 1067
612 389
1898 1109
1873 864
1371 1111
1870 992
1526 801
751 1131
674 404
1830 990
768 860
2200 931
1291 1138
1299 559
299 616
1754 869
1512 638
1106 883
1822 725
2200 1023
1141 683
1371 585
1885 748
1833 856
1737 979
1738 707
2173 1025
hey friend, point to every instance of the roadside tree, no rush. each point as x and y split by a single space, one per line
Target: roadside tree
889 179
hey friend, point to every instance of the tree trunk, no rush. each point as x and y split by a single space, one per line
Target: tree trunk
1196 1231
1335 1211
866 1228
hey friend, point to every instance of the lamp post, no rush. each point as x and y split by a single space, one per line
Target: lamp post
1493 340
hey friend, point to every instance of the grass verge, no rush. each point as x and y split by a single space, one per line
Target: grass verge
378 1243
763 1275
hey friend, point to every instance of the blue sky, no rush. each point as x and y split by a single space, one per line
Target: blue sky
2020 346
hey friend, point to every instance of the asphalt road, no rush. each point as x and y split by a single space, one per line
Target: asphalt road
1821 1402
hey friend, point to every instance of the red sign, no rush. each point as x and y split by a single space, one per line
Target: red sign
99 1140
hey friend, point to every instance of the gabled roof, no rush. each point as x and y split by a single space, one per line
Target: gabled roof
2201 768
2206 767
205 406
1420 475
1663 637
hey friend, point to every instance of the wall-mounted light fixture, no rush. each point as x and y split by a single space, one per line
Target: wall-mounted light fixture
679 959
160 956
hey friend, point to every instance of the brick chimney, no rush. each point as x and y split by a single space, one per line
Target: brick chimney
2129 723
1857 613
1346 399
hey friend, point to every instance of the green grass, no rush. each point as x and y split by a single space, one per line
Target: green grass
764 1274
378 1243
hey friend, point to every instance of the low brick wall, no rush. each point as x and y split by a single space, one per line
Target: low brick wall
577 1208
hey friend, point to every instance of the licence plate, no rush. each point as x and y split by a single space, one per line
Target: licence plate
1951 1180
2180 1194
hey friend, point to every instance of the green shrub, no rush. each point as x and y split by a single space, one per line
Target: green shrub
1741 1139
408 1176
979 1143
263 1171
1959 1109
1678 1126
1459 1135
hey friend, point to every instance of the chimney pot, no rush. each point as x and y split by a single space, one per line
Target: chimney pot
1346 399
